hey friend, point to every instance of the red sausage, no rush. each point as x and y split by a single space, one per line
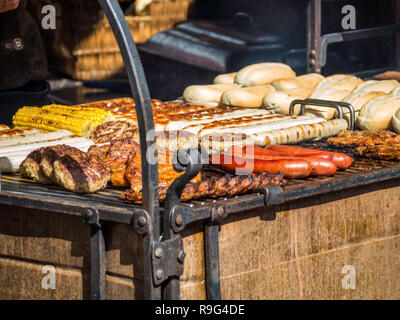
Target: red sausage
342 161
291 168
261 151
320 166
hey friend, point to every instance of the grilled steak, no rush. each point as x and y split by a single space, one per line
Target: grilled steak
213 187
381 151
346 138
383 145
30 167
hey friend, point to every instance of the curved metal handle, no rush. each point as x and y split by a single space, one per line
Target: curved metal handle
325 103
140 93
189 161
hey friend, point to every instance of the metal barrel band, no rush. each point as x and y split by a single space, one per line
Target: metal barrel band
338 105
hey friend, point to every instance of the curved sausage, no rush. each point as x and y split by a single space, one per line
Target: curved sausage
261 151
291 168
342 161
320 166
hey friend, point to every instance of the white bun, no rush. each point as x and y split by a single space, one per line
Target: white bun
378 113
250 97
226 78
263 73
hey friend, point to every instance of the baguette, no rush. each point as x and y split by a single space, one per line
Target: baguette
207 95
395 91
378 113
280 101
331 94
306 81
340 82
300 133
226 78
385 86
250 97
263 73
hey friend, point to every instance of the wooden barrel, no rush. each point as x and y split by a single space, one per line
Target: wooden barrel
342 245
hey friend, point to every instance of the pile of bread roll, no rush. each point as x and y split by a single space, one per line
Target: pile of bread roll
274 86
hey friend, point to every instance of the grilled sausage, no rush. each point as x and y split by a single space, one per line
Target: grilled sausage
320 166
341 160
261 151
291 168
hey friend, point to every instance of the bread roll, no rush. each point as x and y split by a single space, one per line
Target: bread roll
340 81
250 97
395 91
208 95
263 73
378 113
226 78
385 86
359 99
396 121
280 101
307 81
331 94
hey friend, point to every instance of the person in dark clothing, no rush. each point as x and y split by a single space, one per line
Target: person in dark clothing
23 62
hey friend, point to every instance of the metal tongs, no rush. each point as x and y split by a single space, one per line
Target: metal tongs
328 104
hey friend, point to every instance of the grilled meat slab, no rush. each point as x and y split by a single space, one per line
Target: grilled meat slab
383 144
347 138
123 157
214 187
382 152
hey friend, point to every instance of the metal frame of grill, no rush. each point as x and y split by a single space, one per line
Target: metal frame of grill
317 44
163 259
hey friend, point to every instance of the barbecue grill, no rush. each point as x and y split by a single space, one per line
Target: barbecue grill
164 259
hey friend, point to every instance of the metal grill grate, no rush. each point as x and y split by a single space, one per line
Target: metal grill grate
19 191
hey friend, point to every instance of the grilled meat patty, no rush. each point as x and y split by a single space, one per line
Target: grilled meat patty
30 167
49 155
79 172
112 130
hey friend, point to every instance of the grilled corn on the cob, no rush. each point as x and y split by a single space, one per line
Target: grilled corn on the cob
79 120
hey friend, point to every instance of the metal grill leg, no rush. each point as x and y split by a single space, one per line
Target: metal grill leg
97 264
211 248
314 36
